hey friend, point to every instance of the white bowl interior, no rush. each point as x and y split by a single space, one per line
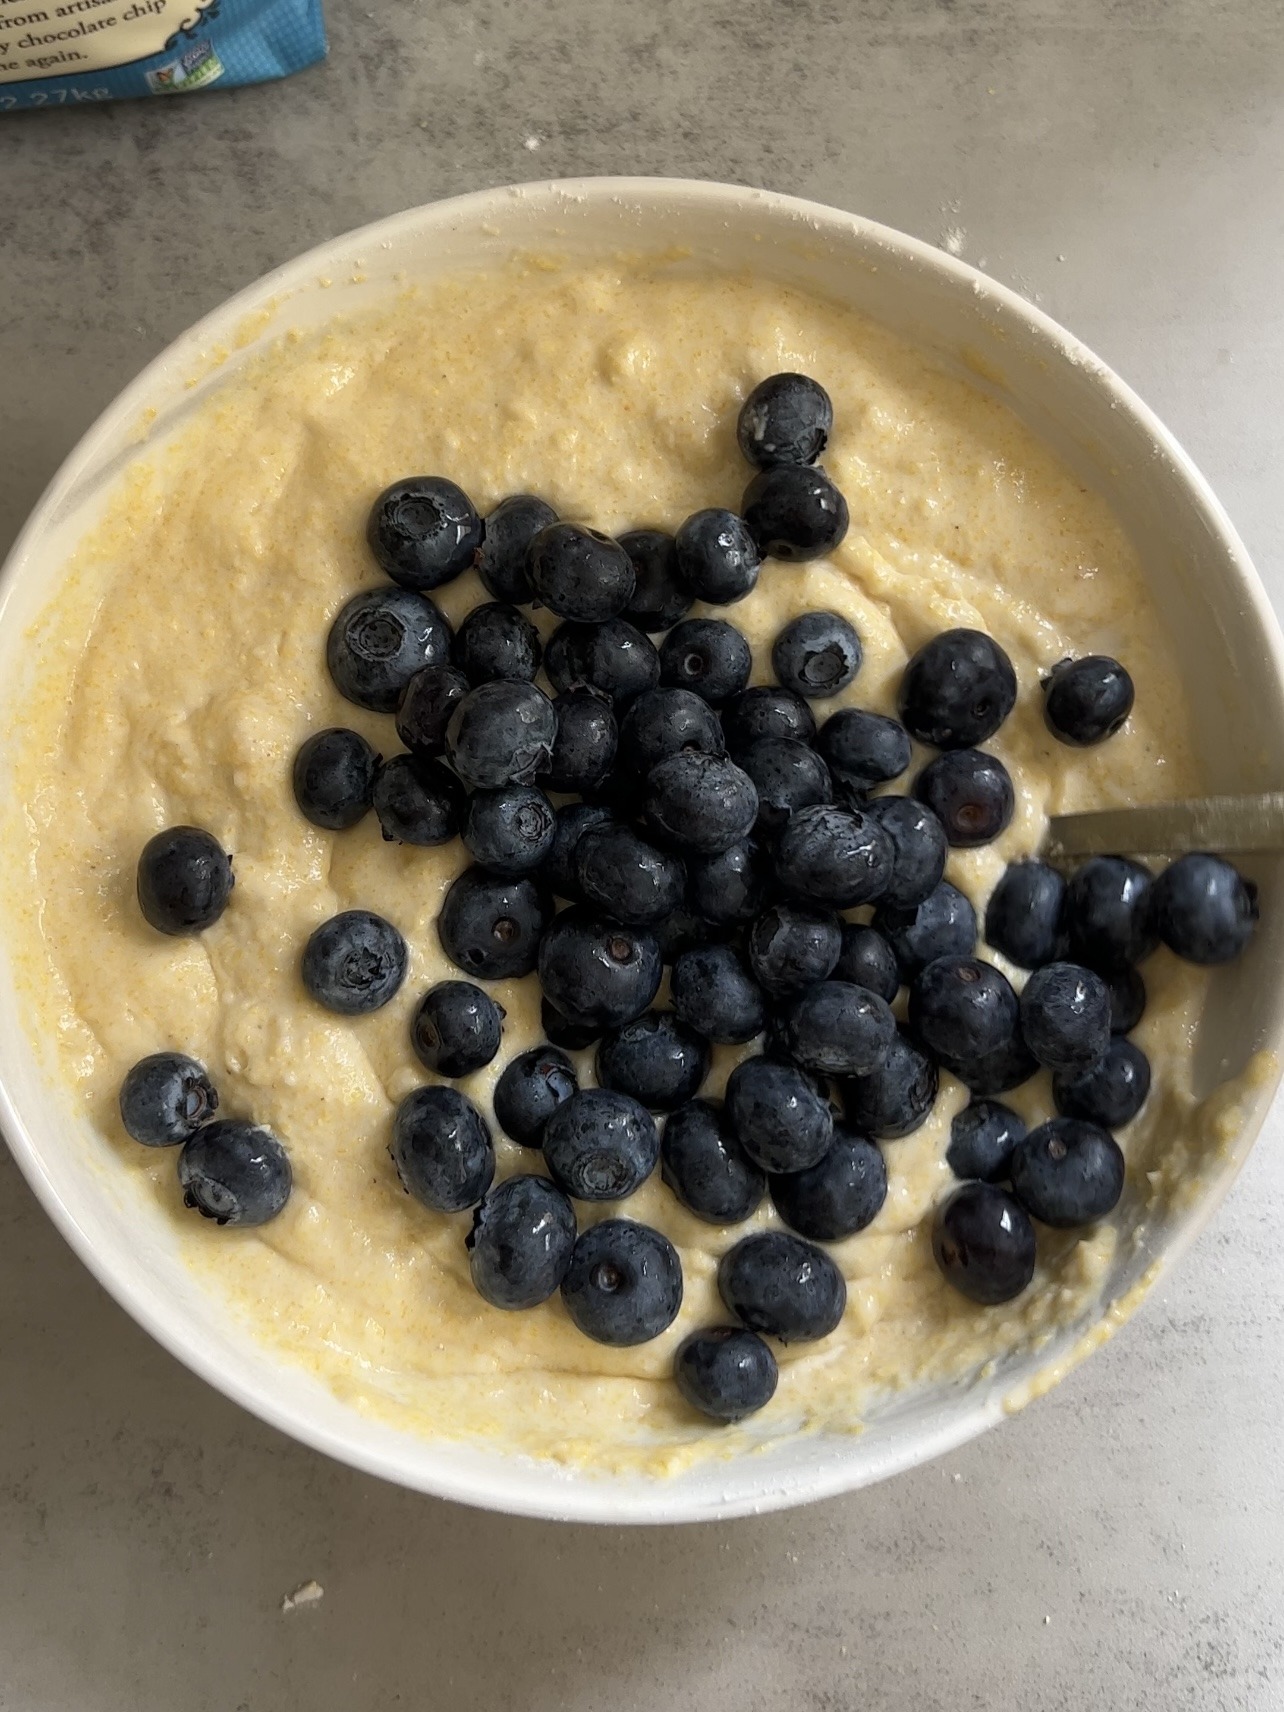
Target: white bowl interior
1225 635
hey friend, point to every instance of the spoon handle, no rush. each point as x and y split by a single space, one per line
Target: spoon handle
1220 824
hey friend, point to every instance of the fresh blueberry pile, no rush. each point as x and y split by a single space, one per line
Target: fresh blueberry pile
655 812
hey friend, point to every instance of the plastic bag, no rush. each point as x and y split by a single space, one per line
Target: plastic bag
59 53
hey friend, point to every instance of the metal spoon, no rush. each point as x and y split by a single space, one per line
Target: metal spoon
1221 824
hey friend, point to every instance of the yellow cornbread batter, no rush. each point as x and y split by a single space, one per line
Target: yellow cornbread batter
183 664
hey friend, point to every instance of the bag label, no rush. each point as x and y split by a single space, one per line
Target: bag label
80 35
59 52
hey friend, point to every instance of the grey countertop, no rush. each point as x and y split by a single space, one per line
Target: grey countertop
1120 1543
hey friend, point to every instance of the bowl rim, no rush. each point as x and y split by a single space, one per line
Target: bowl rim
560 1497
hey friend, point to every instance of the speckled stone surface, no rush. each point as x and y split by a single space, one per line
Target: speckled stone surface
1117 1546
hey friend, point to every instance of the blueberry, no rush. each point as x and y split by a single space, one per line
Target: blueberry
782 1286
597 973
456 1029
706 1167
424 531
234 1173
790 947
837 1197
962 1009
777 1115
497 641
492 928
867 960
664 722
1086 701
1109 1093
714 992
660 592
919 848
184 880
520 1245
442 1149
984 1244
501 734
619 873
580 573
718 557
685 931
1108 914
701 803
725 1372
614 657
787 775
970 793
426 705
573 1036
1024 914
573 821
620 795
863 749
838 1029
957 690
794 512
834 856
656 1058
1067 1173
379 640
334 775
816 655
1127 999
530 1089
943 925
510 529
585 745
1004 1067
730 887
786 419
982 1137
354 963
1065 1016
765 710
1204 910
624 1285
166 1098
417 801
600 1145
894 1099
708 656
510 831
775 1043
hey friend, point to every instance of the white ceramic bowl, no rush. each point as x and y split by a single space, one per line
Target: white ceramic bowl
1226 637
